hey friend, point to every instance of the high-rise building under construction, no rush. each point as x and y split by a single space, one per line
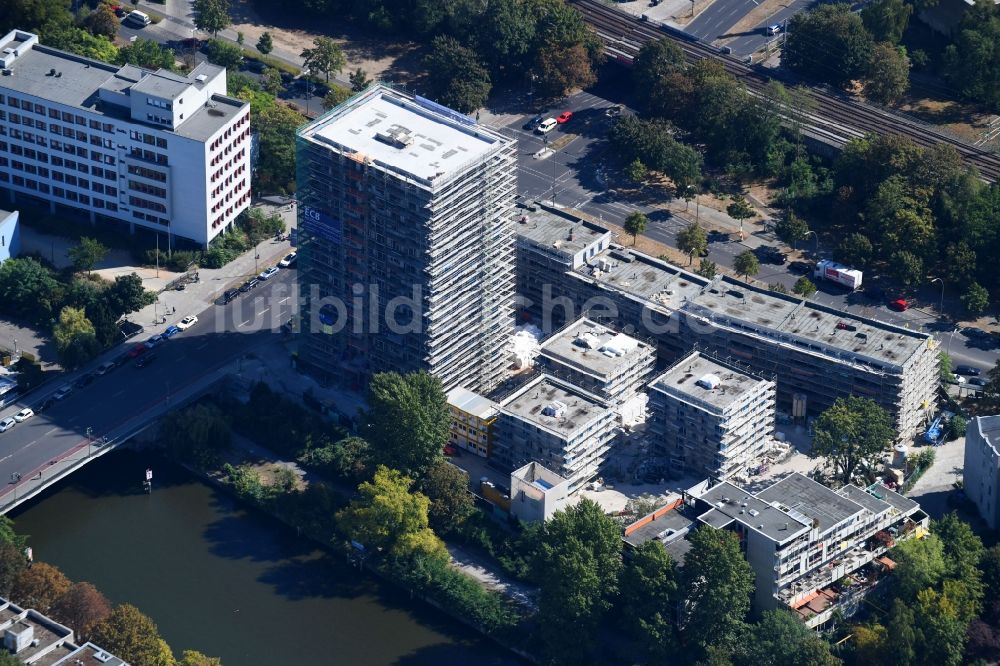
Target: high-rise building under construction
406 241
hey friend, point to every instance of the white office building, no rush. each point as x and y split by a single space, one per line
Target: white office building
159 150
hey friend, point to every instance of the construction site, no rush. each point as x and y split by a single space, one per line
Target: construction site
814 353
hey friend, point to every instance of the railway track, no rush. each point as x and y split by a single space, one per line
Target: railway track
836 119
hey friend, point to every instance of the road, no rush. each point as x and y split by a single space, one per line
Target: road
717 20
221 336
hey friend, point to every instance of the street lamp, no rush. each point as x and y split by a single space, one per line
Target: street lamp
90 439
941 302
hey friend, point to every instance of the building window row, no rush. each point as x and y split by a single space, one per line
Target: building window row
147 189
138 202
149 218
148 139
148 155
231 147
154 118
151 174
220 220
158 103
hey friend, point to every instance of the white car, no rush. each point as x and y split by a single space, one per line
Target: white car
269 273
7 424
288 260
24 415
187 322
546 126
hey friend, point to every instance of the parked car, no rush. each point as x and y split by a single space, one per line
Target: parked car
614 111
170 332
546 126
269 273
145 360
24 415
772 29
153 341
230 295
63 391
248 285
771 255
977 381
564 117
84 380
105 368
955 379
137 350
532 123
967 370
187 322
288 260
899 305
7 424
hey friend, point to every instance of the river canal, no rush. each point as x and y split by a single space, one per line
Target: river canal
227 581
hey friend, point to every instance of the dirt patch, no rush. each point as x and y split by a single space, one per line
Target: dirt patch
961 120
377 55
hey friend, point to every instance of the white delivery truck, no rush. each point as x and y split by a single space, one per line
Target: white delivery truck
842 275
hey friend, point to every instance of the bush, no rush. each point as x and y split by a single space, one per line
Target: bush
956 427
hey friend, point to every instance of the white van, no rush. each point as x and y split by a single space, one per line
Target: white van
138 18
546 126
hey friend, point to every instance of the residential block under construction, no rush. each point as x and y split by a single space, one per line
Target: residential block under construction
407 241
815 353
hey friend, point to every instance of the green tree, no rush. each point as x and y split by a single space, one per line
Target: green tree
975 299
902 634
956 427
963 549
8 659
12 563
240 37
945 367
212 15
992 388
81 607
560 70
87 254
658 64
194 658
275 124
579 559
265 44
804 287
920 565
942 628
29 290
717 584
77 40
359 80
777 287
337 95
39 586
653 143
791 228
271 81
888 76
779 637
447 487
408 421
199 434
746 264
740 208
855 250
223 53
102 22
636 171
692 240
130 635
972 62
852 434
75 338
906 267
349 458
649 599
887 20
8 535
635 224
387 515
146 53
325 57
706 269
959 263
126 295
828 43
455 75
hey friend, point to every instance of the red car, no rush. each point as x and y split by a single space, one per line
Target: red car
138 350
899 305
564 117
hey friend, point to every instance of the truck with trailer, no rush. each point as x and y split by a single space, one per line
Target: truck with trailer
838 273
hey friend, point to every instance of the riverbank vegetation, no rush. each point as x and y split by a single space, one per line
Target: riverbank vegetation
122 630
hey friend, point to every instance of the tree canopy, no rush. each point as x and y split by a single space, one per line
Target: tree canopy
326 57
829 43
408 420
132 636
456 76
649 598
852 434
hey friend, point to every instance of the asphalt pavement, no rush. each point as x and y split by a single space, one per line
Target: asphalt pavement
221 336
